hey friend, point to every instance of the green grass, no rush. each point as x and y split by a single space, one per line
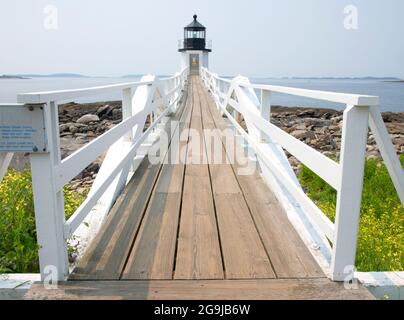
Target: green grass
381 229
18 246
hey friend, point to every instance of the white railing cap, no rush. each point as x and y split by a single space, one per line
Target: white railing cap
344 98
60 95
46 96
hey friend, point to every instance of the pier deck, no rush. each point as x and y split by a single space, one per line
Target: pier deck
197 231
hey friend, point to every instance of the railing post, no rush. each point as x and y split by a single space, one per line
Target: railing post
265 111
127 109
353 150
49 203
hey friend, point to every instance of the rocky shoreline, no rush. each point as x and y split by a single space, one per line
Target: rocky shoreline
322 130
319 128
79 124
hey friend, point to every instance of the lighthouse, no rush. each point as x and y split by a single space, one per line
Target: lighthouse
194 48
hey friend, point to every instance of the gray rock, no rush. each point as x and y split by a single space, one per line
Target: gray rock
88 118
73 129
64 127
299 134
301 126
103 109
116 114
334 128
337 120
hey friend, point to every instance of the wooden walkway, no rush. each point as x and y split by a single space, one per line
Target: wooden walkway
197 231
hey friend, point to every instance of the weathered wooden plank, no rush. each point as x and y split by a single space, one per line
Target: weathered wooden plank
153 253
107 254
198 253
243 252
272 289
170 179
289 255
223 180
152 256
287 252
244 255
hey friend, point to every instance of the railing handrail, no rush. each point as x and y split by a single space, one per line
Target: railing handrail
91 151
126 144
337 97
346 176
59 95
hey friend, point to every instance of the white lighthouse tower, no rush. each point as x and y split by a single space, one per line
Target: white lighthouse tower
194 48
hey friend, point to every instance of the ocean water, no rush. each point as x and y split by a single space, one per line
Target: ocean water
391 93
9 88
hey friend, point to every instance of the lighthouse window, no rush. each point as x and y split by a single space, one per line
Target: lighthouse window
195 34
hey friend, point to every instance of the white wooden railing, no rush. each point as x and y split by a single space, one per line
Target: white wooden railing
237 96
149 97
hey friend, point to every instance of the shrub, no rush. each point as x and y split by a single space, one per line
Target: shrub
18 246
381 228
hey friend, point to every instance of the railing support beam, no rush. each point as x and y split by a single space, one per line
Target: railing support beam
353 151
387 151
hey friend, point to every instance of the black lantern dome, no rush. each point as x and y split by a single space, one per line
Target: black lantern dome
194 37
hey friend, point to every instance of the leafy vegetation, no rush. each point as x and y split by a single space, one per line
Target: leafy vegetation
381 229
18 246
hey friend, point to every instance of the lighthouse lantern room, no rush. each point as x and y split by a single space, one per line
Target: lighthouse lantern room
194 47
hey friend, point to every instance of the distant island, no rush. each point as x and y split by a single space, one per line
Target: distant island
54 75
132 76
396 81
346 78
66 75
138 76
6 76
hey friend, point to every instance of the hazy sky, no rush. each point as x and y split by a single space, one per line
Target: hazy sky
252 37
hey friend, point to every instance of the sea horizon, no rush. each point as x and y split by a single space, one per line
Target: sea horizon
389 89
